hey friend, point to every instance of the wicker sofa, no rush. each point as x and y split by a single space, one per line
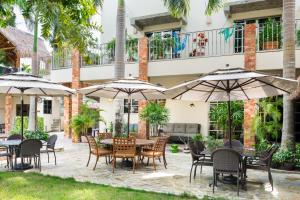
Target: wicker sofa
181 131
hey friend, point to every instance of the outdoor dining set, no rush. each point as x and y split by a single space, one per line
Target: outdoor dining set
233 161
127 148
15 146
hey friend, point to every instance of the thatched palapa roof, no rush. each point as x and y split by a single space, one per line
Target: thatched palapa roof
21 42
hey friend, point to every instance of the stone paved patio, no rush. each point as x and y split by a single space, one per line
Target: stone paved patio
72 163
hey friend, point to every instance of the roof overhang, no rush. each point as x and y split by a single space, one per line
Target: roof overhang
250 5
157 19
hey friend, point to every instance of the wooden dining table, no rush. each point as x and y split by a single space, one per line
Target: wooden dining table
139 142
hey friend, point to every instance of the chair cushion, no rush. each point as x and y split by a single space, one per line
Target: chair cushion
151 153
124 155
179 128
192 128
101 151
168 128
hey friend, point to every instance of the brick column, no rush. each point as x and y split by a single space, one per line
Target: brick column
76 84
143 127
249 64
67 116
8 113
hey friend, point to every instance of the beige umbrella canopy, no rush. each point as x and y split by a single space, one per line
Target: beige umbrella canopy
21 83
232 84
129 88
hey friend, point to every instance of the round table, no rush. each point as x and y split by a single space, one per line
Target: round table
138 142
10 143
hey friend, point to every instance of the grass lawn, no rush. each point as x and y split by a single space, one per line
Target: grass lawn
29 186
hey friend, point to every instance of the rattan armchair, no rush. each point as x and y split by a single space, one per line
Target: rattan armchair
234 144
264 162
96 150
31 149
227 161
198 157
124 148
104 135
157 151
50 146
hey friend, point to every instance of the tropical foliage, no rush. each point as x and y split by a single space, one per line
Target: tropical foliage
155 114
86 119
39 135
267 122
7 13
17 125
219 115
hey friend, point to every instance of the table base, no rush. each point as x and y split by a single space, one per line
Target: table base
23 166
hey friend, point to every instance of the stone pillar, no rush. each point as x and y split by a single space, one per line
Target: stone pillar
8 113
143 127
76 83
249 64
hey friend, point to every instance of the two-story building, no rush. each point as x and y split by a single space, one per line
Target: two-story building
167 51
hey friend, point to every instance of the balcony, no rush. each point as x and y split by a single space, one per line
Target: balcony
182 53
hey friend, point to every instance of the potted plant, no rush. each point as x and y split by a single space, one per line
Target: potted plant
84 120
156 115
270 35
132 49
160 46
174 148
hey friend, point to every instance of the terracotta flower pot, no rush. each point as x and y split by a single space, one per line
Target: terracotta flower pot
270 45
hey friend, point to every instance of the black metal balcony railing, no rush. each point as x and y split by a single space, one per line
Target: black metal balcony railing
104 54
217 42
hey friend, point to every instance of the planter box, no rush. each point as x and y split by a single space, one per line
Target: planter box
271 45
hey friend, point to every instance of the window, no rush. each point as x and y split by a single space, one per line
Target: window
134 106
47 106
25 109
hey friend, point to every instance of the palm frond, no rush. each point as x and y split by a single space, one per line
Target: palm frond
213 6
177 8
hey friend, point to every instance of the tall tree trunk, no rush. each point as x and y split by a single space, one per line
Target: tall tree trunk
120 62
289 71
34 69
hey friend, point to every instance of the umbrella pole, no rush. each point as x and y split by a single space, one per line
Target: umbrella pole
128 115
22 115
229 123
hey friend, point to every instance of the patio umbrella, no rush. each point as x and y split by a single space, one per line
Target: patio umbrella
22 83
232 84
129 88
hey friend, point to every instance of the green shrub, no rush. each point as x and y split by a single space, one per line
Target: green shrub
17 125
198 137
39 135
262 145
283 156
212 143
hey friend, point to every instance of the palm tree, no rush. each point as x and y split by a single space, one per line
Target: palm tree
177 8
289 71
47 14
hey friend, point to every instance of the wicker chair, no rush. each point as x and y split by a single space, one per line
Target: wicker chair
31 149
264 162
14 137
124 148
198 157
4 152
227 161
96 150
104 135
51 145
234 143
157 151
